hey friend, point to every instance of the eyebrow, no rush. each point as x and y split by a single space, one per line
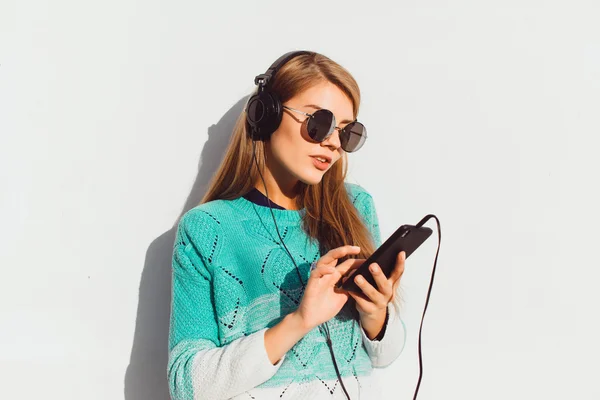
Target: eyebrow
320 108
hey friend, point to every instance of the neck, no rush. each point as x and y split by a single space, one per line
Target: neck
282 191
285 197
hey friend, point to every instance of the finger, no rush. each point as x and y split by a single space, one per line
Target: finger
339 252
363 302
349 264
399 267
395 289
319 272
383 284
347 268
368 289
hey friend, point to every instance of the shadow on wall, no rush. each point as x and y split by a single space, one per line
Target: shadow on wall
146 376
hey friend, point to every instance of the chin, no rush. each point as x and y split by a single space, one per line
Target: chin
313 178
312 182
308 175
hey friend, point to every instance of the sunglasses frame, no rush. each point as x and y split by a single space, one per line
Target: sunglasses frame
309 115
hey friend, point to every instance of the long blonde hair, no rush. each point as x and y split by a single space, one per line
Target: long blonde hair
342 224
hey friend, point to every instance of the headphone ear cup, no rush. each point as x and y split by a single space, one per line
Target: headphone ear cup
263 115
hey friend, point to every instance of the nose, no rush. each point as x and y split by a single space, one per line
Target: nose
333 141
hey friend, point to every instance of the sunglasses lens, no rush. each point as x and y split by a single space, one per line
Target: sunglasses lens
320 125
353 136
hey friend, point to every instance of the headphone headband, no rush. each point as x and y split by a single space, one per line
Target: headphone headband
263 80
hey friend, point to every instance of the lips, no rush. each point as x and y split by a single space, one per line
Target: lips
324 157
323 166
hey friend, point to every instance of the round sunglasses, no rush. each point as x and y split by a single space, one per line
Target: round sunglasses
321 124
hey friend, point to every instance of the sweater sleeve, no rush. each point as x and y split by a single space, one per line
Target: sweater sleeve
199 367
381 352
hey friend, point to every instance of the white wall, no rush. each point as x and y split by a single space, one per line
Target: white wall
114 115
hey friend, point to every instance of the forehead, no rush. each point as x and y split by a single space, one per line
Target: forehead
325 95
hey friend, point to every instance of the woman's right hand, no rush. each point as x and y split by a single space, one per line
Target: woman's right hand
322 300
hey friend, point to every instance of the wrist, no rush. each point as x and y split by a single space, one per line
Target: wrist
374 323
376 316
280 338
298 322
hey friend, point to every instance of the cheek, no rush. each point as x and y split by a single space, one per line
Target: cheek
288 139
288 130
290 150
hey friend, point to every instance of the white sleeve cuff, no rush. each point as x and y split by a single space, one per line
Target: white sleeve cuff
383 353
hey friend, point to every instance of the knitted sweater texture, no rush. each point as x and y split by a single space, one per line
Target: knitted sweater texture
232 280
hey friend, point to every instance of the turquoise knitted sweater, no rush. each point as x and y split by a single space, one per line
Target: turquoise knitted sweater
232 280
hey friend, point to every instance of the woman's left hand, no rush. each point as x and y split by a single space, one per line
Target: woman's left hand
372 303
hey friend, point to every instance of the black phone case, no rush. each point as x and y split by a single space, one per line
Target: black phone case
406 238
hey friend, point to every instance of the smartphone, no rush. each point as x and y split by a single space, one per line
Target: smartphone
407 238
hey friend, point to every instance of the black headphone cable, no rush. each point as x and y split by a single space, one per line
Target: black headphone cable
420 224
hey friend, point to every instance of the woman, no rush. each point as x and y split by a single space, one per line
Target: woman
255 311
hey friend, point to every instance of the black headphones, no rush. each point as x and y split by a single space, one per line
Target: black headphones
264 109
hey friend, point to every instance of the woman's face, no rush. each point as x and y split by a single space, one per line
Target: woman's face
291 150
